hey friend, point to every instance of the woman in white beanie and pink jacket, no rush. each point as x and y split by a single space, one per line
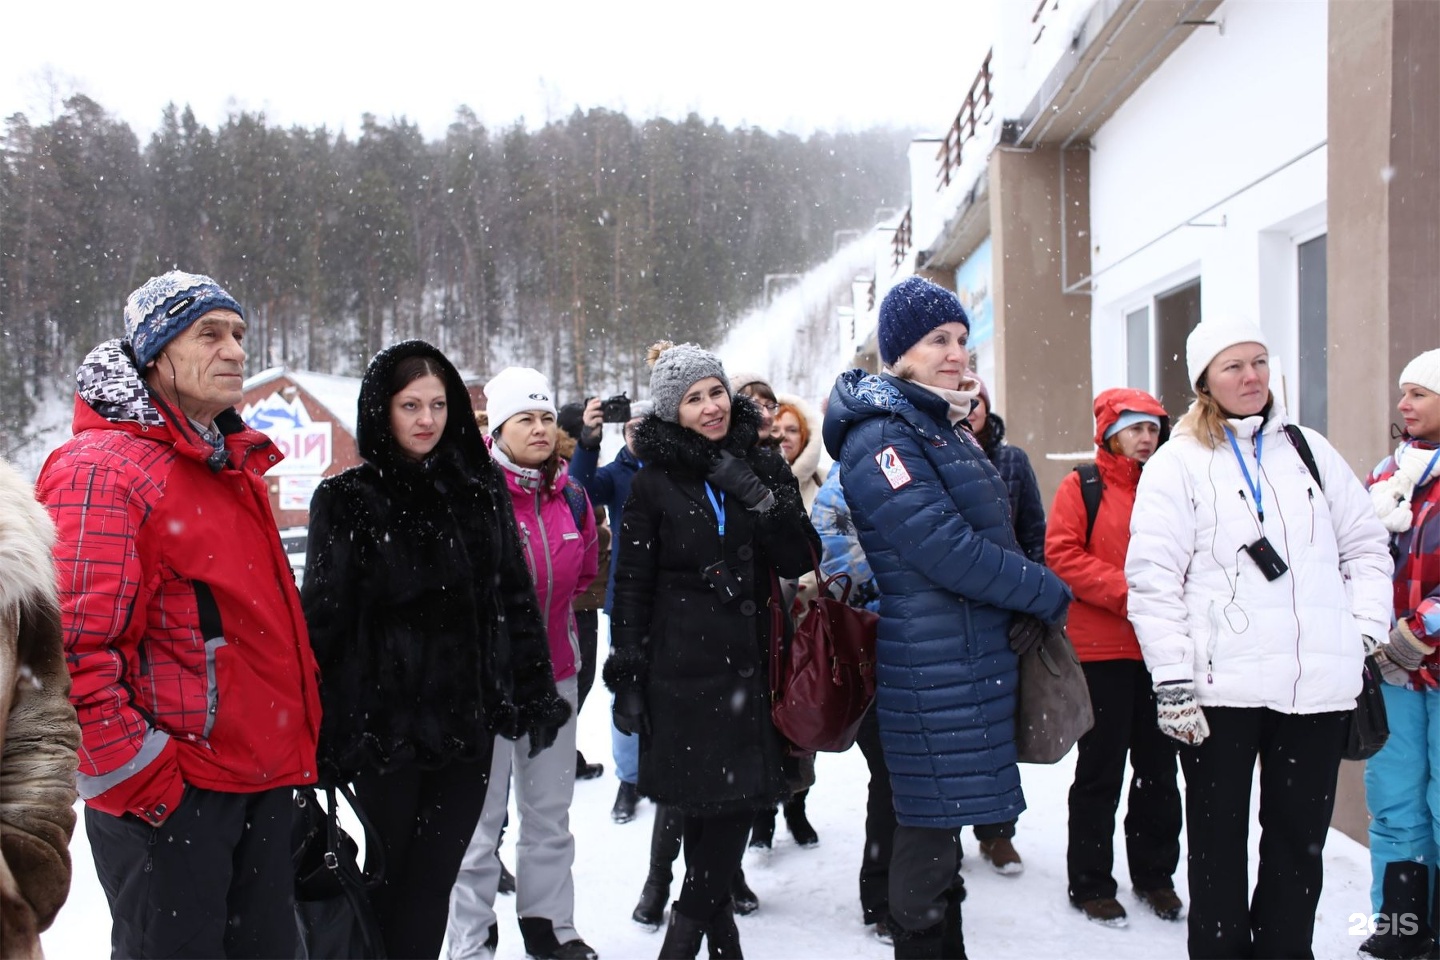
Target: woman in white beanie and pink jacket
1256 585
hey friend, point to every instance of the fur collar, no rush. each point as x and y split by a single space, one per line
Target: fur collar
27 571
672 446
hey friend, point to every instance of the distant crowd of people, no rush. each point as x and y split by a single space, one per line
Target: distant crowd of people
1222 580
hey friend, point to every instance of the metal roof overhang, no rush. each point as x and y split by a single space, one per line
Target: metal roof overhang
1115 50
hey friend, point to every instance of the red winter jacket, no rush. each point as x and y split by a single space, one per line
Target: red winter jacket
188 653
1096 574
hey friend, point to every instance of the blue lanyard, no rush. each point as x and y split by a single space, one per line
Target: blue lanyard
718 505
1254 486
1424 477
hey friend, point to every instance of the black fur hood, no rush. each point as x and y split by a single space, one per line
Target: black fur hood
461 438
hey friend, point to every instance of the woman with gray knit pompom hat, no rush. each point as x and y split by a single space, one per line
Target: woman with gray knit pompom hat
1404 837
712 519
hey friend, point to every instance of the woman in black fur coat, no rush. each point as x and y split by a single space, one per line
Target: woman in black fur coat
710 516
424 621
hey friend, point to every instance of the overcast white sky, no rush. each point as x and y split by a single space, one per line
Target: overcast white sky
796 65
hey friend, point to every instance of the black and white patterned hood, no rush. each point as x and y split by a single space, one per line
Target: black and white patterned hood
109 382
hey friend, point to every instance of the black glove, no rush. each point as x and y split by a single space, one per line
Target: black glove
735 477
1026 632
630 718
542 734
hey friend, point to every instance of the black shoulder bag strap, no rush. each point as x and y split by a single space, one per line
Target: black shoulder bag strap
1091 489
1302 447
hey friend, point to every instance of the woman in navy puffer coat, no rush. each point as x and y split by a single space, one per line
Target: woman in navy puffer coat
958 598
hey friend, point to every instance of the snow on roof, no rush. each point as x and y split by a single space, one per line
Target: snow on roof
339 395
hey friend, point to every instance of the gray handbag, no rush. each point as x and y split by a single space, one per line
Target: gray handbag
1052 710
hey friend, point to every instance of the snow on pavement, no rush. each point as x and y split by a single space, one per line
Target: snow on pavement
809 904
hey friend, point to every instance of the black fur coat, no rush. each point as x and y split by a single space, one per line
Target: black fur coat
422 613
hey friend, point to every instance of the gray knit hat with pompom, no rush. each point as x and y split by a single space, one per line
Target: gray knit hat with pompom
675 370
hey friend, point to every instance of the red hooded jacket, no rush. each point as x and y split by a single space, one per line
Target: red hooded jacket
1096 574
188 653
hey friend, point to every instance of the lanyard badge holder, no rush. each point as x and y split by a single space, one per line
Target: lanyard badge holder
1262 551
718 573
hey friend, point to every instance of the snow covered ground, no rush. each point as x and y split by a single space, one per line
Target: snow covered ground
809 900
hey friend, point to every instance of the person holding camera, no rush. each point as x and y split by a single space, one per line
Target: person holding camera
1399 780
712 520
608 488
1257 582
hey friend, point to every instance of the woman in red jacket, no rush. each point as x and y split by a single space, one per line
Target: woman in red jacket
1088 552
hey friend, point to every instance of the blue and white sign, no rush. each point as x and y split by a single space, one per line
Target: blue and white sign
308 445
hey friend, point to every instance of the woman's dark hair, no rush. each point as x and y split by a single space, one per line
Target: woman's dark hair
410 369
758 388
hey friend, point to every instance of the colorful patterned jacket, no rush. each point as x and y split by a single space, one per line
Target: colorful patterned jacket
1417 569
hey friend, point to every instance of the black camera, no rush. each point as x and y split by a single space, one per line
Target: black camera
615 409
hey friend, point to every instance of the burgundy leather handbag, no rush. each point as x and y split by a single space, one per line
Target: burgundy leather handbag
823 685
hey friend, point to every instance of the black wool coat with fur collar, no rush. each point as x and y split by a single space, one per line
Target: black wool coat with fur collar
702 661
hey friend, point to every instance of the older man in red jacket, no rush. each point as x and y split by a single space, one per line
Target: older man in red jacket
192 673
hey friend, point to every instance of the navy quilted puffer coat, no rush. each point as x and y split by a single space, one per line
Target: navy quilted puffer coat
933 517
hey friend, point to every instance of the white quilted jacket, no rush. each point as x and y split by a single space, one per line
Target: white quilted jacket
1200 605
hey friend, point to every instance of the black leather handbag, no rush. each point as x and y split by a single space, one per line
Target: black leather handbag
332 901
1369 723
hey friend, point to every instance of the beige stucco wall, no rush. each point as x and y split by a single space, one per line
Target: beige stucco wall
1042 335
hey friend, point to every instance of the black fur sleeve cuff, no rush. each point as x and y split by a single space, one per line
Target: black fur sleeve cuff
551 710
625 669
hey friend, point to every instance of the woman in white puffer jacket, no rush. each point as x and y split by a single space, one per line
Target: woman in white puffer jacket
1254 590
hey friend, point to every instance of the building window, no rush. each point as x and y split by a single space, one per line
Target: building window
1313 376
1177 312
1137 348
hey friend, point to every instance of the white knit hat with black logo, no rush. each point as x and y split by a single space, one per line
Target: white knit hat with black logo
515 390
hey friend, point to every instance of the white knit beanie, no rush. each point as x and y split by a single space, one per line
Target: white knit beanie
1423 371
1213 337
514 390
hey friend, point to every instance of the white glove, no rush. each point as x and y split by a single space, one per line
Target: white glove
1178 713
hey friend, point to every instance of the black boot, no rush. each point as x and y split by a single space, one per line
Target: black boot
762 833
927 944
1402 930
798 823
541 943
626 799
722 935
665 839
952 938
744 899
682 937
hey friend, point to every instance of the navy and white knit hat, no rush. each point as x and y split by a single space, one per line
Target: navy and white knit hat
911 309
676 370
165 306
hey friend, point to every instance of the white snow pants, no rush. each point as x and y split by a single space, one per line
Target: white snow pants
545 853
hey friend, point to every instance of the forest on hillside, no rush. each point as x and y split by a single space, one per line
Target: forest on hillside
570 247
